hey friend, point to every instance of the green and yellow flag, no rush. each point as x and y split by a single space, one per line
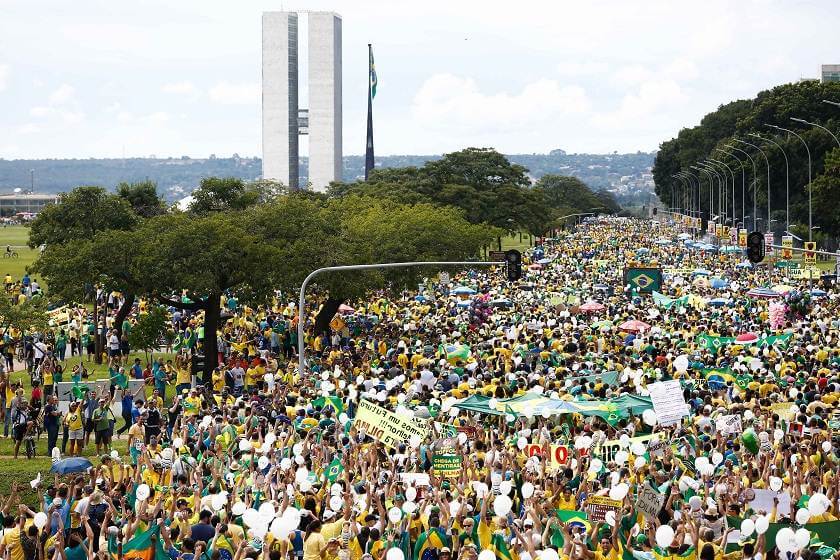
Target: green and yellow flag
142 546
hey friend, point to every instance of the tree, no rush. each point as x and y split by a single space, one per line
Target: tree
28 316
826 193
148 331
216 194
66 229
567 195
80 214
143 198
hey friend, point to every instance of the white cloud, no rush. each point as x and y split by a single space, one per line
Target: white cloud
227 93
41 111
182 88
157 117
4 76
652 99
62 94
572 68
29 128
456 102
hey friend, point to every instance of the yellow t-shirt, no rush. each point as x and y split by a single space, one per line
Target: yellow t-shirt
74 420
12 542
311 547
184 376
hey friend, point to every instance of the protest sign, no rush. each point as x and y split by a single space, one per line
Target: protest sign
729 424
557 455
668 401
649 502
763 501
597 507
608 450
385 426
446 462
784 410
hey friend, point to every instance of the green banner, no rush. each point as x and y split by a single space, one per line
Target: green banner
665 302
714 343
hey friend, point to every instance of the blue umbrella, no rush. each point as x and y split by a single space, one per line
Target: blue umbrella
642 251
719 283
463 291
71 465
744 264
543 261
421 298
663 241
816 292
701 272
464 303
718 302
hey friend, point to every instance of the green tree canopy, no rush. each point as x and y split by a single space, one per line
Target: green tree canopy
143 198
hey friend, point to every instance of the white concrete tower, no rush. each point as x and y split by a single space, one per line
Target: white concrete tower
325 162
280 97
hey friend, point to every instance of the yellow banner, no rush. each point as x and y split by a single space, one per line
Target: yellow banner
59 315
810 257
803 273
742 238
784 410
719 230
385 426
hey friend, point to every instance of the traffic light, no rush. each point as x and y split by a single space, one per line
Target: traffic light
755 247
513 258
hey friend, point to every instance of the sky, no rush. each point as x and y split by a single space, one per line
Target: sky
93 78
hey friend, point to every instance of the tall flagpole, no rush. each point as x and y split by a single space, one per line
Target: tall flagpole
371 83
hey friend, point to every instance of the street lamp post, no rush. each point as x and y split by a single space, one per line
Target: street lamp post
732 173
787 177
743 185
717 175
755 213
803 121
767 162
807 149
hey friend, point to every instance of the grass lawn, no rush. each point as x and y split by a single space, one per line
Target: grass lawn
17 237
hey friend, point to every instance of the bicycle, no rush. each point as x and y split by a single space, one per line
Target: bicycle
10 255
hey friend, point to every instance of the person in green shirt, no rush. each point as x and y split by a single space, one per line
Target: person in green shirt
103 422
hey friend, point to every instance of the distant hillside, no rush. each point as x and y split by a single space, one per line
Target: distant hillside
176 177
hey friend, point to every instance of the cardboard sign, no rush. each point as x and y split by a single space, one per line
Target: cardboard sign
668 402
649 502
742 238
558 455
385 426
809 256
446 462
787 247
729 424
598 506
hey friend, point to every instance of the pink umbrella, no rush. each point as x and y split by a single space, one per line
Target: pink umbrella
634 325
344 308
746 337
591 307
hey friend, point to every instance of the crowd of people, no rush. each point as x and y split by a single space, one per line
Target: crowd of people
569 415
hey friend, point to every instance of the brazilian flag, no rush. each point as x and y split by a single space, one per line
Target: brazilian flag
433 538
334 470
329 402
500 548
142 546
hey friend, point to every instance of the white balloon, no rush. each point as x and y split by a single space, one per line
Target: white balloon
621 457
142 492
177 443
262 462
527 490
270 439
250 517
238 508
802 537
619 491
761 525
40 520
521 443
336 502
609 517
409 507
786 540
462 438
624 441
266 510
775 483
649 417
701 462
394 515
487 555
410 493
717 458
826 446
817 504
595 465
304 486
639 462
414 441
747 527
394 554
548 554
802 516
218 501
505 487
285 463
244 445
664 536
502 505
638 448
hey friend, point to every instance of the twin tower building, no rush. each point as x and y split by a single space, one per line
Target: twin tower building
283 118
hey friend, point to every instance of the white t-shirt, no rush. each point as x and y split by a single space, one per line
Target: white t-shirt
114 342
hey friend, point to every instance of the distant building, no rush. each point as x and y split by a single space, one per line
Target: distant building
24 203
830 73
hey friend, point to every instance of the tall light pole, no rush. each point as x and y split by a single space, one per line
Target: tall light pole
767 162
787 177
835 103
743 185
807 149
803 121
717 175
731 147
709 176
732 173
